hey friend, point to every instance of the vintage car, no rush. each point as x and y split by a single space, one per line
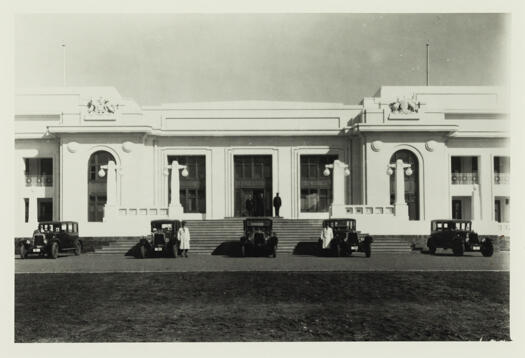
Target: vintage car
346 239
458 236
259 237
52 237
162 241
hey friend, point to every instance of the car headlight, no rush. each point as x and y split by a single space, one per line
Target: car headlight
166 239
28 242
483 240
45 241
361 239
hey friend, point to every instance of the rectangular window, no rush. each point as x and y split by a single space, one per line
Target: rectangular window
39 171
316 188
45 209
192 187
464 170
501 170
26 206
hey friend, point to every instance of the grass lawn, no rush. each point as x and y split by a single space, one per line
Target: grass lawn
262 306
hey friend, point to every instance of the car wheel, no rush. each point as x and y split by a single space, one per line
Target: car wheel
23 251
274 252
487 250
142 252
431 249
368 250
174 250
78 248
338 250
458 249
53 252
243 251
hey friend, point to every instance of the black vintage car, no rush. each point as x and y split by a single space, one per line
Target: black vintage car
259 237
162 241
50 238
458 236
346 239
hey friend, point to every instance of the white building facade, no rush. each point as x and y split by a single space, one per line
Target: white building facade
399 159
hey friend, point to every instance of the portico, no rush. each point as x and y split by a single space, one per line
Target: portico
378 162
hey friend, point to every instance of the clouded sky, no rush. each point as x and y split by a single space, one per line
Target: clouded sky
158 59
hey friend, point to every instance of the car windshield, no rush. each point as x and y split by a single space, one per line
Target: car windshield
258 223
162 226
343 224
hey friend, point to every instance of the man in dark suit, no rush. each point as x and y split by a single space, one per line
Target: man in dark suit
249 206
277 204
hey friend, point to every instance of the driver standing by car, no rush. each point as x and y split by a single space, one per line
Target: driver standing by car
183 235
327 235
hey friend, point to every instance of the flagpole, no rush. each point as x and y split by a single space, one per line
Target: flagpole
64 64
428 62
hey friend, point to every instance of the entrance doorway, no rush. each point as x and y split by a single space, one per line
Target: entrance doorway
253 180
45 209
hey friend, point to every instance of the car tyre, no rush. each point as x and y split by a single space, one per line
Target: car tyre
431 249
274 252
338 250
458 249
53 251
243 251
142 252
174 250
368 250
23 251
487 250
78 248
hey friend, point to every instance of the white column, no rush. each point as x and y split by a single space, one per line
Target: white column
401 207
175 208
339 172
33 210
110 209
111 184
400 183
476 202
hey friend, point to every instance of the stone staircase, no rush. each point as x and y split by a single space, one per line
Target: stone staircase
221 237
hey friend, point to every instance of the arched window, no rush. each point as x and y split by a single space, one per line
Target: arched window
97 185
411 182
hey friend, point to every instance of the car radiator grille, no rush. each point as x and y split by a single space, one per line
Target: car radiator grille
158 239
258 239
39 240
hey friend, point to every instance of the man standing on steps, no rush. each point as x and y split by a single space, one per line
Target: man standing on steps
249 205
277 204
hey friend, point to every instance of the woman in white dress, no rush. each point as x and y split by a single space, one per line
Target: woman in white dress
183 235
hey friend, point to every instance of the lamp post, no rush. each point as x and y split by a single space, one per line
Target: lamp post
340 171
400 203
111 188
175 207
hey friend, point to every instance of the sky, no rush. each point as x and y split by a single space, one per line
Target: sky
336 57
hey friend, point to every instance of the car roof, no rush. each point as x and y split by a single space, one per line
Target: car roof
340 219
163 221
56 222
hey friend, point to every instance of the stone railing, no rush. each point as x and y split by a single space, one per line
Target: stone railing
369 210
39 180
162 212
465 178
501 178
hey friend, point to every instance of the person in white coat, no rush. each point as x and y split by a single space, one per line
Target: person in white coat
327 235
183 235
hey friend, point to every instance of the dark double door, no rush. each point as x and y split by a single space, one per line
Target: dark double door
253 180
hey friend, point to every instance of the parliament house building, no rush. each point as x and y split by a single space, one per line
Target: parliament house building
395 161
